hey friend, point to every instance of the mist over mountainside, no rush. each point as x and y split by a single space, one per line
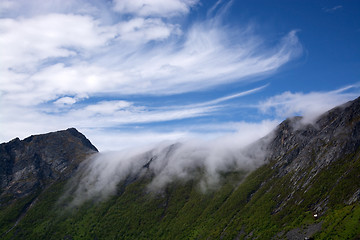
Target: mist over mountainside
167 162
300 181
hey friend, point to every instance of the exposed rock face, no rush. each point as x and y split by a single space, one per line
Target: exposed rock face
334 134
31 164
304 151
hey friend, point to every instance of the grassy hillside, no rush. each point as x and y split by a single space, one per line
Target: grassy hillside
263 206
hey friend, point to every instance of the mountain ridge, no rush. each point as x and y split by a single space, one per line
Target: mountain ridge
309 187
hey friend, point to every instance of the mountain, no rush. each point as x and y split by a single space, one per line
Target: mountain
37 161
307 188
30 166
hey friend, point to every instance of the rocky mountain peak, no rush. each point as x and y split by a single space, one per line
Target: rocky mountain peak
37 161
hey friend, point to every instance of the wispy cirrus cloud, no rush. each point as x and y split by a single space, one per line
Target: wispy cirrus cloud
71 54
61 61
105 114
332 9
201 62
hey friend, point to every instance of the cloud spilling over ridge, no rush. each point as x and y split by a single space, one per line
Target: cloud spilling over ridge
172 161
180 160
197 158
308 105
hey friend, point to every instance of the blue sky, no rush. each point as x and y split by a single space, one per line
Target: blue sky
129 73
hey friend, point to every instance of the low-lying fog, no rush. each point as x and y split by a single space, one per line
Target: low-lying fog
245 150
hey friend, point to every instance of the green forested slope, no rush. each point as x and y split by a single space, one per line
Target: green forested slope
182 211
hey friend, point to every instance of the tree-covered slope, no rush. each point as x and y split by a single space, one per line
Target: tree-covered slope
309 187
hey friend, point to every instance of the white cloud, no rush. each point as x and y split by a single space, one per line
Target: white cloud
117 140
30 42
171 160
107 114
50 55
26 8
141 30
332 9
99 116
309 105
161 8
241 94
65 101
113 113
107 107
98 121
59 57
6 5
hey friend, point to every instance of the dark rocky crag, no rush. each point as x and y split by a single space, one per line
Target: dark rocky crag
30 165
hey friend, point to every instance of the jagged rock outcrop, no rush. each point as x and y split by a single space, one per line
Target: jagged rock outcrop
334 134
31 164
304 150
